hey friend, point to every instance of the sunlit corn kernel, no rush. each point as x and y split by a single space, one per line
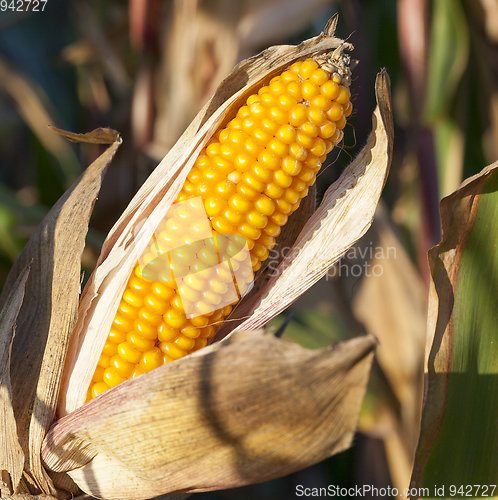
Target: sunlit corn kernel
121 366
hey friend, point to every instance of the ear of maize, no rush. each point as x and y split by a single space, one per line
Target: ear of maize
247 181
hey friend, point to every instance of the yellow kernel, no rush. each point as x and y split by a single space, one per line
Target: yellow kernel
297 151
138 342
132 299
185 343
228 152
319 147
277 86
258 111
167 334
104 361
129 353
309 129
191 332
282 179
309 90
250 124
121 366
319 76
307 68
208 332
214 206
247 191
233 217
264 205
330 90
213 149
151 360
221 225
296 66
98 374
252 147
269 125
212 175
317 116
327 130
304 140
272 229
288 76
266 241
249 179
321 102
307 175
294 91
261 173
257 220
112 378
98 388
116 336
261 136
337 137
175 319
268 100
122 323
335 112
201 321
279 219
137 372
286 102
252 99
155 304
298 115
127 311
343 96
243 162
347 109
283 206
278 148
341 123
286 134
291 195
291 166
278 115
239 203
269 160
298 185
273 190
172 350
225 189
249 231
110 348
199 344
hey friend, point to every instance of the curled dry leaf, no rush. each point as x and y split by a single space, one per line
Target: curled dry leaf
458 432
47 315
217 419
11 454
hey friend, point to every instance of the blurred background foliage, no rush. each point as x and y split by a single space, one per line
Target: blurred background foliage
145 67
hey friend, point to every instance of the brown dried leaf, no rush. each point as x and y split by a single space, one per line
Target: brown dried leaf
11 454
97 136
48 313
233 414
344 215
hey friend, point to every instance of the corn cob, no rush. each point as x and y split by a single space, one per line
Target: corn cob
248 181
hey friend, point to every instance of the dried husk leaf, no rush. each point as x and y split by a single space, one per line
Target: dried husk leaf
47 315
342 218
233 414
131 234
11 454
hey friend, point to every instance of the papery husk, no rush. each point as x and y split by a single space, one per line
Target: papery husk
342 218
232 414
11 454
131 234
47 315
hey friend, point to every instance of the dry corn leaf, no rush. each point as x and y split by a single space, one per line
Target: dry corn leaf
217 419
342 218
129 237
11 454
48 313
